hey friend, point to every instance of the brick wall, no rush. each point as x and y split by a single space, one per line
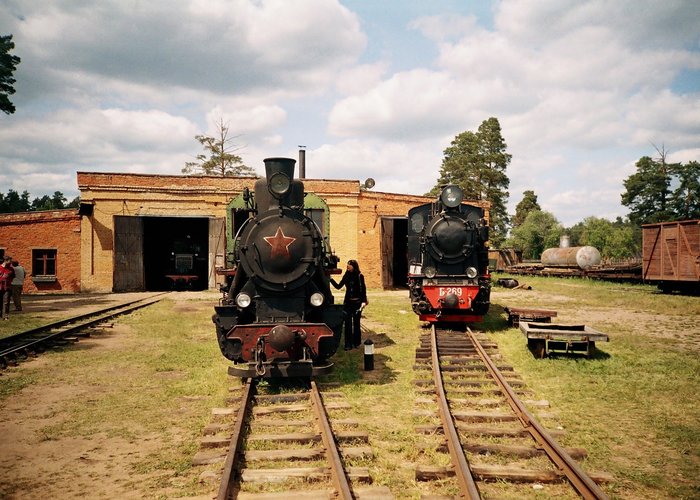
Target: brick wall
86 245
197 196
58 229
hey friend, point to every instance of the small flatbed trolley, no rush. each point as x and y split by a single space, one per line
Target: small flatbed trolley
545 338
518 314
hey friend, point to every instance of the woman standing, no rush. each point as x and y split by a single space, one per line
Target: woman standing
355 298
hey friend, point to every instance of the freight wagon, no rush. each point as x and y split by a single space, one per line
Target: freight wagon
671 255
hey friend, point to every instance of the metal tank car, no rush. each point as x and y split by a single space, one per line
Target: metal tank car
278 318
448 279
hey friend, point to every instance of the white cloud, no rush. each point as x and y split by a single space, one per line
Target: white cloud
581 89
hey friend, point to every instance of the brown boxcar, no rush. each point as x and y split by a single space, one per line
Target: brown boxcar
671 255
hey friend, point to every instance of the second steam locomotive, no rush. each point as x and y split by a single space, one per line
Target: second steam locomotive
278 317
448 279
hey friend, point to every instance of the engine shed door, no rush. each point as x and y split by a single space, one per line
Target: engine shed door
128 274
393 248
217 250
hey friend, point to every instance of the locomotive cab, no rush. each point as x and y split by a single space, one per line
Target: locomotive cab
449 281
278 317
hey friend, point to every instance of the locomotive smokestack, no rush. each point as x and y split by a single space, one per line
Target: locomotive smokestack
283 165
302 162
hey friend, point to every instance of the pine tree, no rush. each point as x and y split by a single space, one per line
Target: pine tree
477 162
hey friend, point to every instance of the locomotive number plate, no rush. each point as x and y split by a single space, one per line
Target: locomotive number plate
447 290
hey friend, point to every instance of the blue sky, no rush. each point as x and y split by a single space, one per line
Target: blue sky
379 89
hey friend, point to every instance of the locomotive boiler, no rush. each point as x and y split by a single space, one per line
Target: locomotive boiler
278 318
449 280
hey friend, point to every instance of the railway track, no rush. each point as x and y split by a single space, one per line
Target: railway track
495 444
284 445
31 342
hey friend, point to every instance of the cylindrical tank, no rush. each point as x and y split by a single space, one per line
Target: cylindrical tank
583 257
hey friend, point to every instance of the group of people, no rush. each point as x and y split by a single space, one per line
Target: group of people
11 284
355 300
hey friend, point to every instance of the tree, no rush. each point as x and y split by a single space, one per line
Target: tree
219 158
8 65
539 230
13 202
685 199
75 203
56 202
615 240
477 162
526 205
647 191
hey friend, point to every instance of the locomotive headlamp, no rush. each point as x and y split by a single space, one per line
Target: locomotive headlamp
430 272
279 184
316 299
243 300
452 196
471 272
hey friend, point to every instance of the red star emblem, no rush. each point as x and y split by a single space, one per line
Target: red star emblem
279 243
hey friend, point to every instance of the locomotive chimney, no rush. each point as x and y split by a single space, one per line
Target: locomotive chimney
302 162
564 241
283 165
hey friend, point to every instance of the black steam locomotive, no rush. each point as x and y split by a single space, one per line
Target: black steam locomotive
448 278
277 318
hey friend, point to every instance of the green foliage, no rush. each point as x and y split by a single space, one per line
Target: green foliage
526 205
614 240
539 231
13 202
648 192
8 65
477 162
219 159
685 199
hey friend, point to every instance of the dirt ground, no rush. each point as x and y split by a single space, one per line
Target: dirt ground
71 467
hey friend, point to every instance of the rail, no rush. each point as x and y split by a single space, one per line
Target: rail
578 478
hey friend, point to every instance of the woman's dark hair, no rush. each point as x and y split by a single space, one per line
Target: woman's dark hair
355 265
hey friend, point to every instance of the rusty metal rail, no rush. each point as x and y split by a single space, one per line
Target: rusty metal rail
459 460
227 484
232 471
578 478
36 339
340 479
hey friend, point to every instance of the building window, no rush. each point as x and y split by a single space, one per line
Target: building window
44 262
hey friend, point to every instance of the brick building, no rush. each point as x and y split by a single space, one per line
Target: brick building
47 245
129 224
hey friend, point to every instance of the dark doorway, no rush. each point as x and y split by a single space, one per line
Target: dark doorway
176 253
394 247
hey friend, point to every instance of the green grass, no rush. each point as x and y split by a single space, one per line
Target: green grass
633 406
